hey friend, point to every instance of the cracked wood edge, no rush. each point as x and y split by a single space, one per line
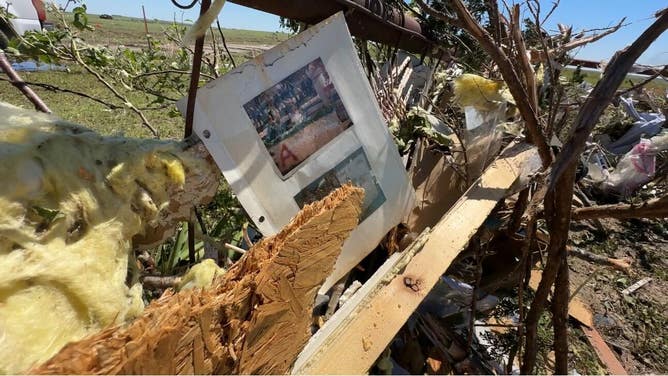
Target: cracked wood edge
351 341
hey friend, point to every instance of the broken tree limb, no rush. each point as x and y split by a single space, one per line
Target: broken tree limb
523 59
618 264
655 208
351 341
254 319
16 80
579 42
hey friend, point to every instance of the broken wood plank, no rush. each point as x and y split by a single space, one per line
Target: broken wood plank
576 308
636 285
604 353
253 319
351 341
581 313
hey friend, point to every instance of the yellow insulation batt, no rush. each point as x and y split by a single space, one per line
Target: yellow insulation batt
71 202
481 93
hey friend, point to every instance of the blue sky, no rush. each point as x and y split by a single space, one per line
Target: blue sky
582 14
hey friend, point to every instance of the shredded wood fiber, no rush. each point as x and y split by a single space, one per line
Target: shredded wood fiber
254 319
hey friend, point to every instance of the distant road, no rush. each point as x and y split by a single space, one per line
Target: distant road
244 48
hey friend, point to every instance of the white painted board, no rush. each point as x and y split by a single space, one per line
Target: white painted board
290 124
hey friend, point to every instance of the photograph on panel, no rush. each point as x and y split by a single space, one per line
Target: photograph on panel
354 169
298 116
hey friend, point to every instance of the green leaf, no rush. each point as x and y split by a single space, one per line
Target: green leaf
12 51
81 18
49 215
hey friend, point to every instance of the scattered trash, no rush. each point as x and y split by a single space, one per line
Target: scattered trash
484 335
636 285
598 166
635 168
452 298
646 124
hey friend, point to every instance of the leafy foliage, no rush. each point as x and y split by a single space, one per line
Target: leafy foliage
471 55
81 18
418 123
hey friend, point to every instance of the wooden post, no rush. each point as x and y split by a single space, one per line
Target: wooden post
148 39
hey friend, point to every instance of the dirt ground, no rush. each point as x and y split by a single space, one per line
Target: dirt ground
634 326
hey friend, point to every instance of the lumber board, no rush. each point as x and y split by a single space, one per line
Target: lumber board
576 308
603 352
351 341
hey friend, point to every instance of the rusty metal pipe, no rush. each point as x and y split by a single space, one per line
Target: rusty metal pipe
367 19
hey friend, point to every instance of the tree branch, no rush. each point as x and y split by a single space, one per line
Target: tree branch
74 52
523 59
16 80
655 208
645 82
222 37
585 40
62 90
174 71
466 21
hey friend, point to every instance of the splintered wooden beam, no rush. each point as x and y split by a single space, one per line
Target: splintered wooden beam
256 318
351 341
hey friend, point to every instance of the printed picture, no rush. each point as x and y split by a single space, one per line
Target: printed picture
298 116
355 169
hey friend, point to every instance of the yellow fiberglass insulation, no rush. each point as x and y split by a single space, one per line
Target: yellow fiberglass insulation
71 202
479 92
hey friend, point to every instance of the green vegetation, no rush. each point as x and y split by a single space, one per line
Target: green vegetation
658 84
129 31
124 69
89 113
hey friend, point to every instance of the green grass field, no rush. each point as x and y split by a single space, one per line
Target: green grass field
129 31
658 84
89 113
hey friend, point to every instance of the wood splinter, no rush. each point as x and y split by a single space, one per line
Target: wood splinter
254 319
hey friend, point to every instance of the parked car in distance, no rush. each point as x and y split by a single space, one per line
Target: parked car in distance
106 17
24 15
